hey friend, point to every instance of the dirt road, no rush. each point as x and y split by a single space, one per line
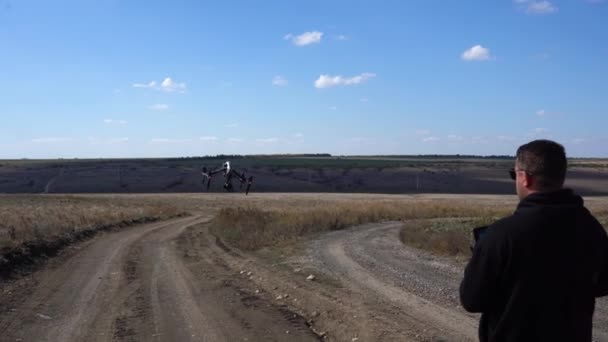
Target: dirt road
421 289
133 285
175 281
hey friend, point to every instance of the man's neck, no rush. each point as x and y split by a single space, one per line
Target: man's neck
534 191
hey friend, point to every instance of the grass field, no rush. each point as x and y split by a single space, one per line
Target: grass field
278 162
27 218
252 228
298 161
441 226
439 223
286 173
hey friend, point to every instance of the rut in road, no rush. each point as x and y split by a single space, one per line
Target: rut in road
132 285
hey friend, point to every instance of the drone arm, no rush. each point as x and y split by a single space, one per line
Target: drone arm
211 173
241 177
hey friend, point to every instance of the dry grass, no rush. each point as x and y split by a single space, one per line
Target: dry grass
438 225
264 219
26 218
252 228
447 236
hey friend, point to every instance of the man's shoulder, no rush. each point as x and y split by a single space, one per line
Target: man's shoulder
522 222
510 226
506 224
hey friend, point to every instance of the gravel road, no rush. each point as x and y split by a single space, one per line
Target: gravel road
421 288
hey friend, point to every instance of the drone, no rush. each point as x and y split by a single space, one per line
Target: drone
229 173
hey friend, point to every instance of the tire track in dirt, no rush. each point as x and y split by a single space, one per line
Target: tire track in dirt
69 301
371 260
244 300
134 285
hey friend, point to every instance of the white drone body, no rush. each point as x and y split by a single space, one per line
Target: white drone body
229 173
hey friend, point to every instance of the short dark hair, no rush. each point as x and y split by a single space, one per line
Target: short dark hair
546 160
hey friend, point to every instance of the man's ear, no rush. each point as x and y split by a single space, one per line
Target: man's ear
528 181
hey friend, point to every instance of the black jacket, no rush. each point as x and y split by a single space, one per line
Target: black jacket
534 275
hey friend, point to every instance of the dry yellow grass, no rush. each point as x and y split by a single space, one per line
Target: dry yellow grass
263 219
443 236
251 228
30 218
442 226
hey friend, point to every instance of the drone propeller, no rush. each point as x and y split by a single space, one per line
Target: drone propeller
206 177
249 181
243 180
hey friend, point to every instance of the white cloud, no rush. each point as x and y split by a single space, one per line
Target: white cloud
167 85
112 141
454 137
109 141
279 81
115 122
234 140
298 135
545 113
342 37
479 141
232 125
208 139
362 141
326 81
541 7
476 53
305 38
423 132
537 7
267 140
506 138
151 84
430 139
51 140
169 141
159 106
225 84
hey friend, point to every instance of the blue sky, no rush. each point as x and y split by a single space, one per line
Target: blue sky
112 78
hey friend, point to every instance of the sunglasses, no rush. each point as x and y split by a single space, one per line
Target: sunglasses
513 173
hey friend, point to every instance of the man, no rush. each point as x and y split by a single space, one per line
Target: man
534 275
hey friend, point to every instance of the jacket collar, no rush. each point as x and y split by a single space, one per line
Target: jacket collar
563 197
